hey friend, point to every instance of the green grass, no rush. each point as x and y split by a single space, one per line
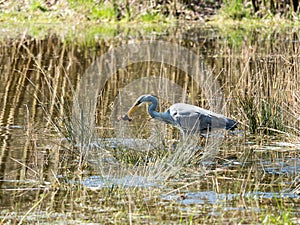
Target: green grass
82 22
85 21
282 217
152 17
103 12
235 9
36 5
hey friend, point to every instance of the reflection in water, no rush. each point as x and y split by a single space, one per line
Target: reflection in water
256 77
210 197
96 182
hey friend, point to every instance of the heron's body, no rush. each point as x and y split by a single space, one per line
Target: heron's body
188 118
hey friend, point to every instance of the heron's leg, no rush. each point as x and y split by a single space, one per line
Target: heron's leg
184 136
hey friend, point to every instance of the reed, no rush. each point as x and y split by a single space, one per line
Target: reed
89 180
266 94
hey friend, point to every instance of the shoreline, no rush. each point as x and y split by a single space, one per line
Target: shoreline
70 20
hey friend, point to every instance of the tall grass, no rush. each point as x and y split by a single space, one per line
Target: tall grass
265 84
258 82
260 93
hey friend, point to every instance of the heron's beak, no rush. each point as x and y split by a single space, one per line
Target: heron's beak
133 108
130 111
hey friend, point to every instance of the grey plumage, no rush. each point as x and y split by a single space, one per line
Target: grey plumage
188 118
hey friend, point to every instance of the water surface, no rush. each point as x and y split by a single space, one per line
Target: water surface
54 169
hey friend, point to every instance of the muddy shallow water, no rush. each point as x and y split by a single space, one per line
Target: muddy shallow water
66 158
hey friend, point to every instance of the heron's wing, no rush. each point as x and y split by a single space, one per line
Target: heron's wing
190 118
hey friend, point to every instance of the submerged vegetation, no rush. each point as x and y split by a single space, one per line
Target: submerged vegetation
59 168
119 179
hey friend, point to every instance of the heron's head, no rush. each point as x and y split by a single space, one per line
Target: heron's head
138 102
144 98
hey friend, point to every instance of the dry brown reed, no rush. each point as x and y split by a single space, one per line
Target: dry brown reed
263 79
259 83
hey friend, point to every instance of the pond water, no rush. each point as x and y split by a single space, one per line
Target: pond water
66 158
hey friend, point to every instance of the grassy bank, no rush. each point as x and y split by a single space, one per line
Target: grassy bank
75 19
83 21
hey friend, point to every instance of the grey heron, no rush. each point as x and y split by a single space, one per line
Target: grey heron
189 119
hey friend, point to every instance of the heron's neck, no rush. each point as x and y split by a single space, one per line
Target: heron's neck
164 116
152 109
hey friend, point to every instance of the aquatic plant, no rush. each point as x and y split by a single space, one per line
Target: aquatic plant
52 179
